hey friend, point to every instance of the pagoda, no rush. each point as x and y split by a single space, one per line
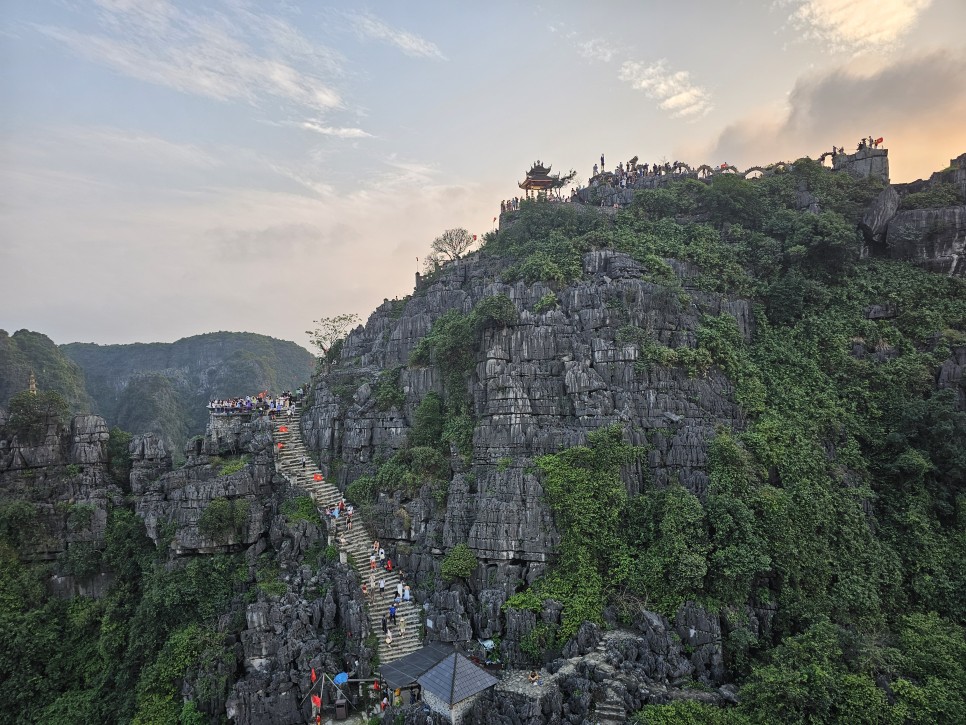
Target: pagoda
539 181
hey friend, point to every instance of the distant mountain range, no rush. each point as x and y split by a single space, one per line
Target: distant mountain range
153 387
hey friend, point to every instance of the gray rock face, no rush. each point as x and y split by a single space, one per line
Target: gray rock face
302 616
176 500
952 372
620 673
64 480
538 386
867 163
932 238
875 220
312 625
701 633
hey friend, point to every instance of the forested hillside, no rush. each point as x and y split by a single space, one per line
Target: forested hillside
24 352
164 387
722 404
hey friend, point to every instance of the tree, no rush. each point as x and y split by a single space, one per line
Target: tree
31 413
451 245
330 332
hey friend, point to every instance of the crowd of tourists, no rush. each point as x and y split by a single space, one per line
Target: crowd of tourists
626 174
263 403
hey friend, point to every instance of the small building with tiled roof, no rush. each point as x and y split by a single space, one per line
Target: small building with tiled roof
451 687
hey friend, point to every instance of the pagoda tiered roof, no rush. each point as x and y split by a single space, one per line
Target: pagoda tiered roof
539 178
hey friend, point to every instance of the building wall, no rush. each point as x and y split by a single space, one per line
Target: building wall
456 713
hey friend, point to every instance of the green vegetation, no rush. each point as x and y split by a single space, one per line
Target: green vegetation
27 352
233 465
459 563
840 503
388 392
32 413
300 508
329 335
941 194
408 470
589 502
121 658
546 303
224 519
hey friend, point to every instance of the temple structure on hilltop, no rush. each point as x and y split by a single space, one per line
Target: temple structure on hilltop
539 181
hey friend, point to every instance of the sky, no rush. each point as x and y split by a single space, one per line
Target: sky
173 168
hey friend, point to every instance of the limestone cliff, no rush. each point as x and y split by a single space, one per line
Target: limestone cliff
55 494
539 385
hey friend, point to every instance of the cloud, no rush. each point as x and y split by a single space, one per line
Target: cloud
334 131
597 49
207 54
410 44
858 25
916 103
673 90
234 246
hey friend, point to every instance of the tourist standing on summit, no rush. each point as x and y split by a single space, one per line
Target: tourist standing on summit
602 163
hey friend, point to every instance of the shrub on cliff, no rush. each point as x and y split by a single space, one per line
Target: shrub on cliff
938 195
223 519
460 563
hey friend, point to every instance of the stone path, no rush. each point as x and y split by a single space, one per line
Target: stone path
358 543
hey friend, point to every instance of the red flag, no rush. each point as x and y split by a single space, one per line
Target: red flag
316 700
314 678
724 165
879 140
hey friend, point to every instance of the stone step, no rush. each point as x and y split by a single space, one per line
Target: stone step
358 542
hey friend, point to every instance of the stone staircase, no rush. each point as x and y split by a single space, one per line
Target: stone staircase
358 541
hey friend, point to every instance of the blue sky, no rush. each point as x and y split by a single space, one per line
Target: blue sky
172 168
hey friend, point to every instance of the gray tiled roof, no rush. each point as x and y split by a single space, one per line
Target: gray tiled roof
406 670
455 679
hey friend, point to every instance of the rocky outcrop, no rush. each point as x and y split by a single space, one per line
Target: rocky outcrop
538 386
61 491
173 502
934 239
318 623
620 672
875 220
865 164
301 613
